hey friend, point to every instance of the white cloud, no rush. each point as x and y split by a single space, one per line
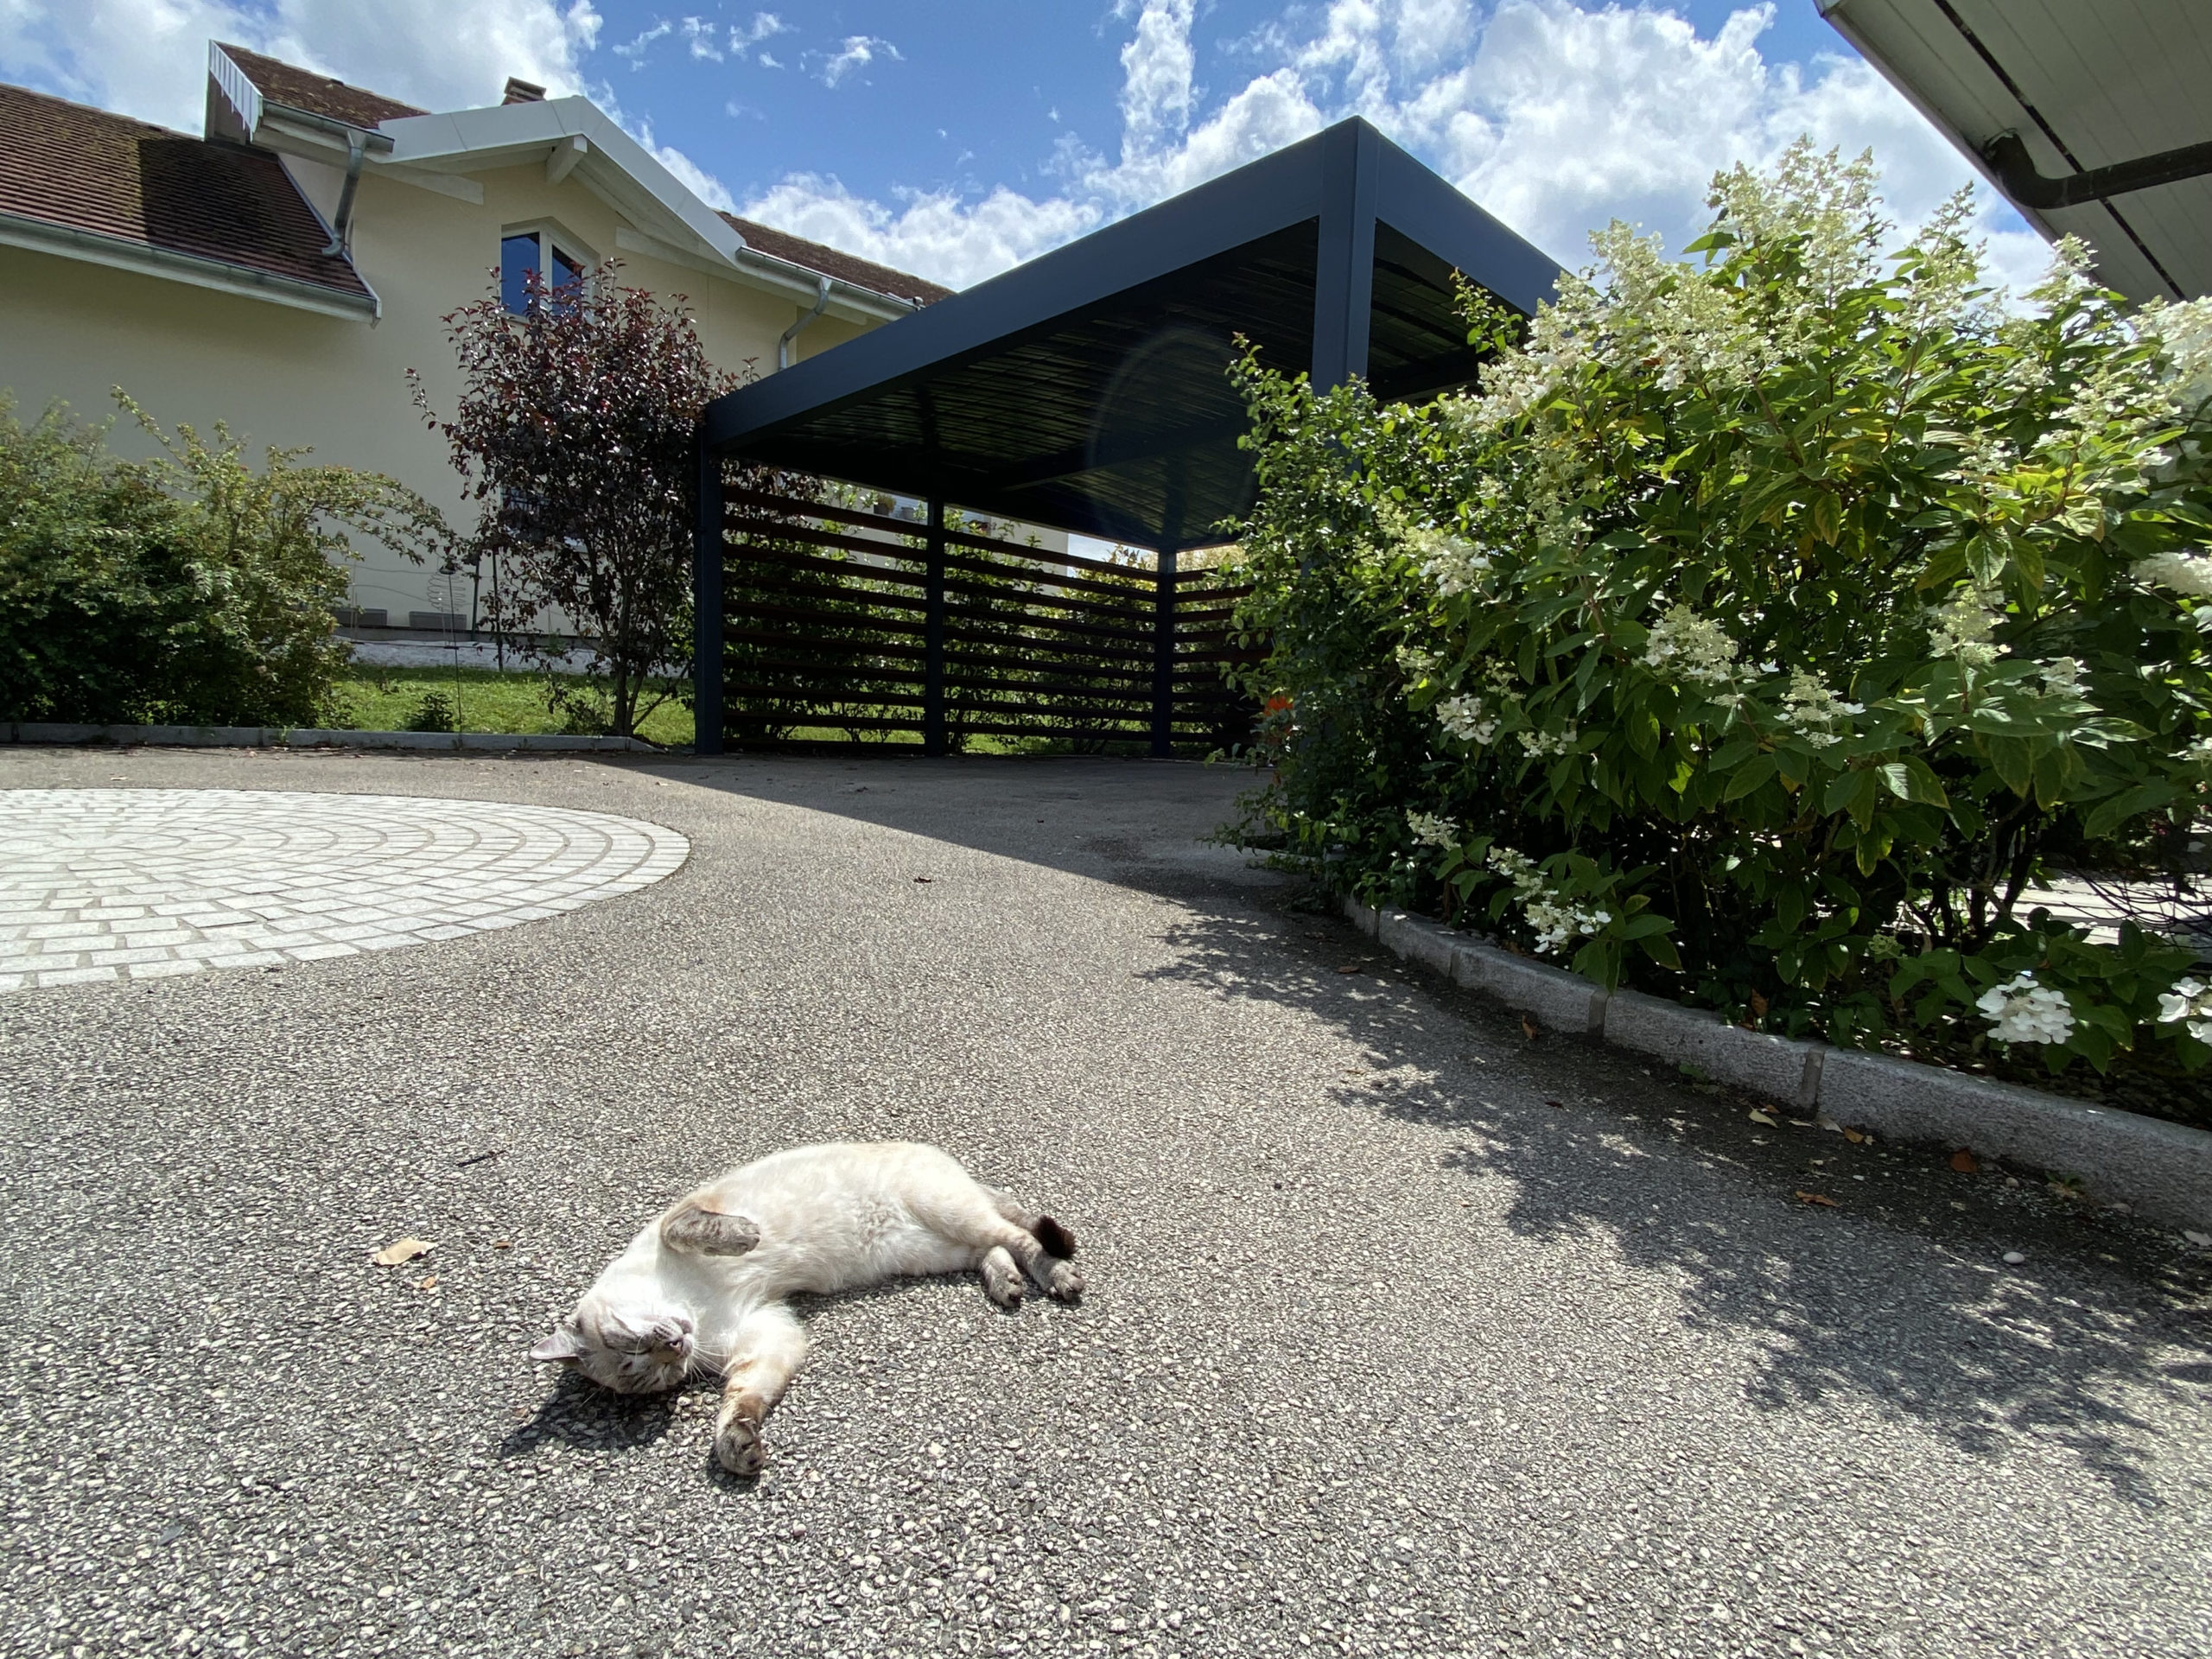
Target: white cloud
703 37
148 58
694 178
636 47
937 234
1555 117
857 53
765 25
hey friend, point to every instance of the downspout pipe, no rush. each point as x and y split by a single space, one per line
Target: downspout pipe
2017 172
359 142
342 222
789 338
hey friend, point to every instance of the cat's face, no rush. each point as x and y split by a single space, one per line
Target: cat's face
629 1349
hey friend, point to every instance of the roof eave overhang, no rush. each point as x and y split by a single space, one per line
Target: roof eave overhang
120 253
616 167
1837 13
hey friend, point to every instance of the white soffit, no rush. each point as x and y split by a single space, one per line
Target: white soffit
616 168
2084 83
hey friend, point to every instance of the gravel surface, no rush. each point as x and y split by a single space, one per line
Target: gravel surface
1406 1334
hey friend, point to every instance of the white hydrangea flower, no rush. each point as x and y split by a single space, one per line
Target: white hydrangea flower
2021 1011
2064 674
2200 750
1553 921
2186 573
1429 830
1516 867
1559 742
1691 646
1813 711
2188 1001
1454 564
2185 332
1418 662
1466 718
1962 628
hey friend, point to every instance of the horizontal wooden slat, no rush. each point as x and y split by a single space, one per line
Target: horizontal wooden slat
771 507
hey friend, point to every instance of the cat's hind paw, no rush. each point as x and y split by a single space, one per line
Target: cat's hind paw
738 1449
1066 1283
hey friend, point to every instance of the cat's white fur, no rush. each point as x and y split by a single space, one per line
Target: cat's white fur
703 1286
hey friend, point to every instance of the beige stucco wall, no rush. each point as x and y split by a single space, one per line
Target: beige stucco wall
69 330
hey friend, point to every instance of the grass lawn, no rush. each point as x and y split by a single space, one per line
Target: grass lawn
374 698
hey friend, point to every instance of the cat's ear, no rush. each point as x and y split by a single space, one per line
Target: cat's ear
691 1226
561 1344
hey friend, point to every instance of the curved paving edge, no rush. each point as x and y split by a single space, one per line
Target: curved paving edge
2162 1170
101 886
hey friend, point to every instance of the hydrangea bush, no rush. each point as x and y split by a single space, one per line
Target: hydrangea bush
1762 627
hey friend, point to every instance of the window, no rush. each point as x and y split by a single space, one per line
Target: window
522 256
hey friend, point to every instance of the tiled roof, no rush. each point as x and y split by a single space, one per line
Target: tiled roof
861 273
302 89
64 164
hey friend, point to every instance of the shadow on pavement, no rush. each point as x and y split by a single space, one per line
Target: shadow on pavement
581 1414
1897 1295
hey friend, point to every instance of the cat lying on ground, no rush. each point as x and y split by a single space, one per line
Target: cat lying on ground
702 1287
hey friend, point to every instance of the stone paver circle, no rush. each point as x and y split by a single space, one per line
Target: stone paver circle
99 885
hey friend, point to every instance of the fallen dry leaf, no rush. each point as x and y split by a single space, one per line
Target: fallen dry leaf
503 1244
1349 968
401 1250
1814 1198
926 878
430 1283
1963 1161
1560 1104
2202 1241
1529 1028
1853 1136
1758 1116
1758 1005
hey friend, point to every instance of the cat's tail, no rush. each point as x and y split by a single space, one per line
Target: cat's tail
1056 1239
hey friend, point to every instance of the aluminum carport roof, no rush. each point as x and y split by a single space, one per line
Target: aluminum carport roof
2090 92
1085 389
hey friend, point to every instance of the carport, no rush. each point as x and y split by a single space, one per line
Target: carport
1085 391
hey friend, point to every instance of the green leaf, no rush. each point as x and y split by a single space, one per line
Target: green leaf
2109 815
1748 777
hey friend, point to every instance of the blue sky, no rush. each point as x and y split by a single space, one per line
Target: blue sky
955 137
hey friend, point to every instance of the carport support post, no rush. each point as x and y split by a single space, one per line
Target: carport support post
933 736
707 604
1344 271
1163 631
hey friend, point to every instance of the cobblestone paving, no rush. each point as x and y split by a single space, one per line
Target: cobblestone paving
101 884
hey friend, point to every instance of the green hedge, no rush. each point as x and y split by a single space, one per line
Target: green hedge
189 590
1763 627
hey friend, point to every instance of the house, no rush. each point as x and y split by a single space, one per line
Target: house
284 271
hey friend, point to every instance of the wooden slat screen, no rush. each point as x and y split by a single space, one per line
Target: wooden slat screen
827 633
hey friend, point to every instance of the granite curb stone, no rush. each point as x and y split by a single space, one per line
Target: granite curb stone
1552 996
2162 1171
1778 1067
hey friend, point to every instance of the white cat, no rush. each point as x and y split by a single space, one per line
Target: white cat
702 1288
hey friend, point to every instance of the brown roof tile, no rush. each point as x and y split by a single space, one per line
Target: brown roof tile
64 164
302 89
862 273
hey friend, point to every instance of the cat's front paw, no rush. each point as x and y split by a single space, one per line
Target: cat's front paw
737 1448
1067 1283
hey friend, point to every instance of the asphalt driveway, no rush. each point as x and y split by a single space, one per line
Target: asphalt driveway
1406 1334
